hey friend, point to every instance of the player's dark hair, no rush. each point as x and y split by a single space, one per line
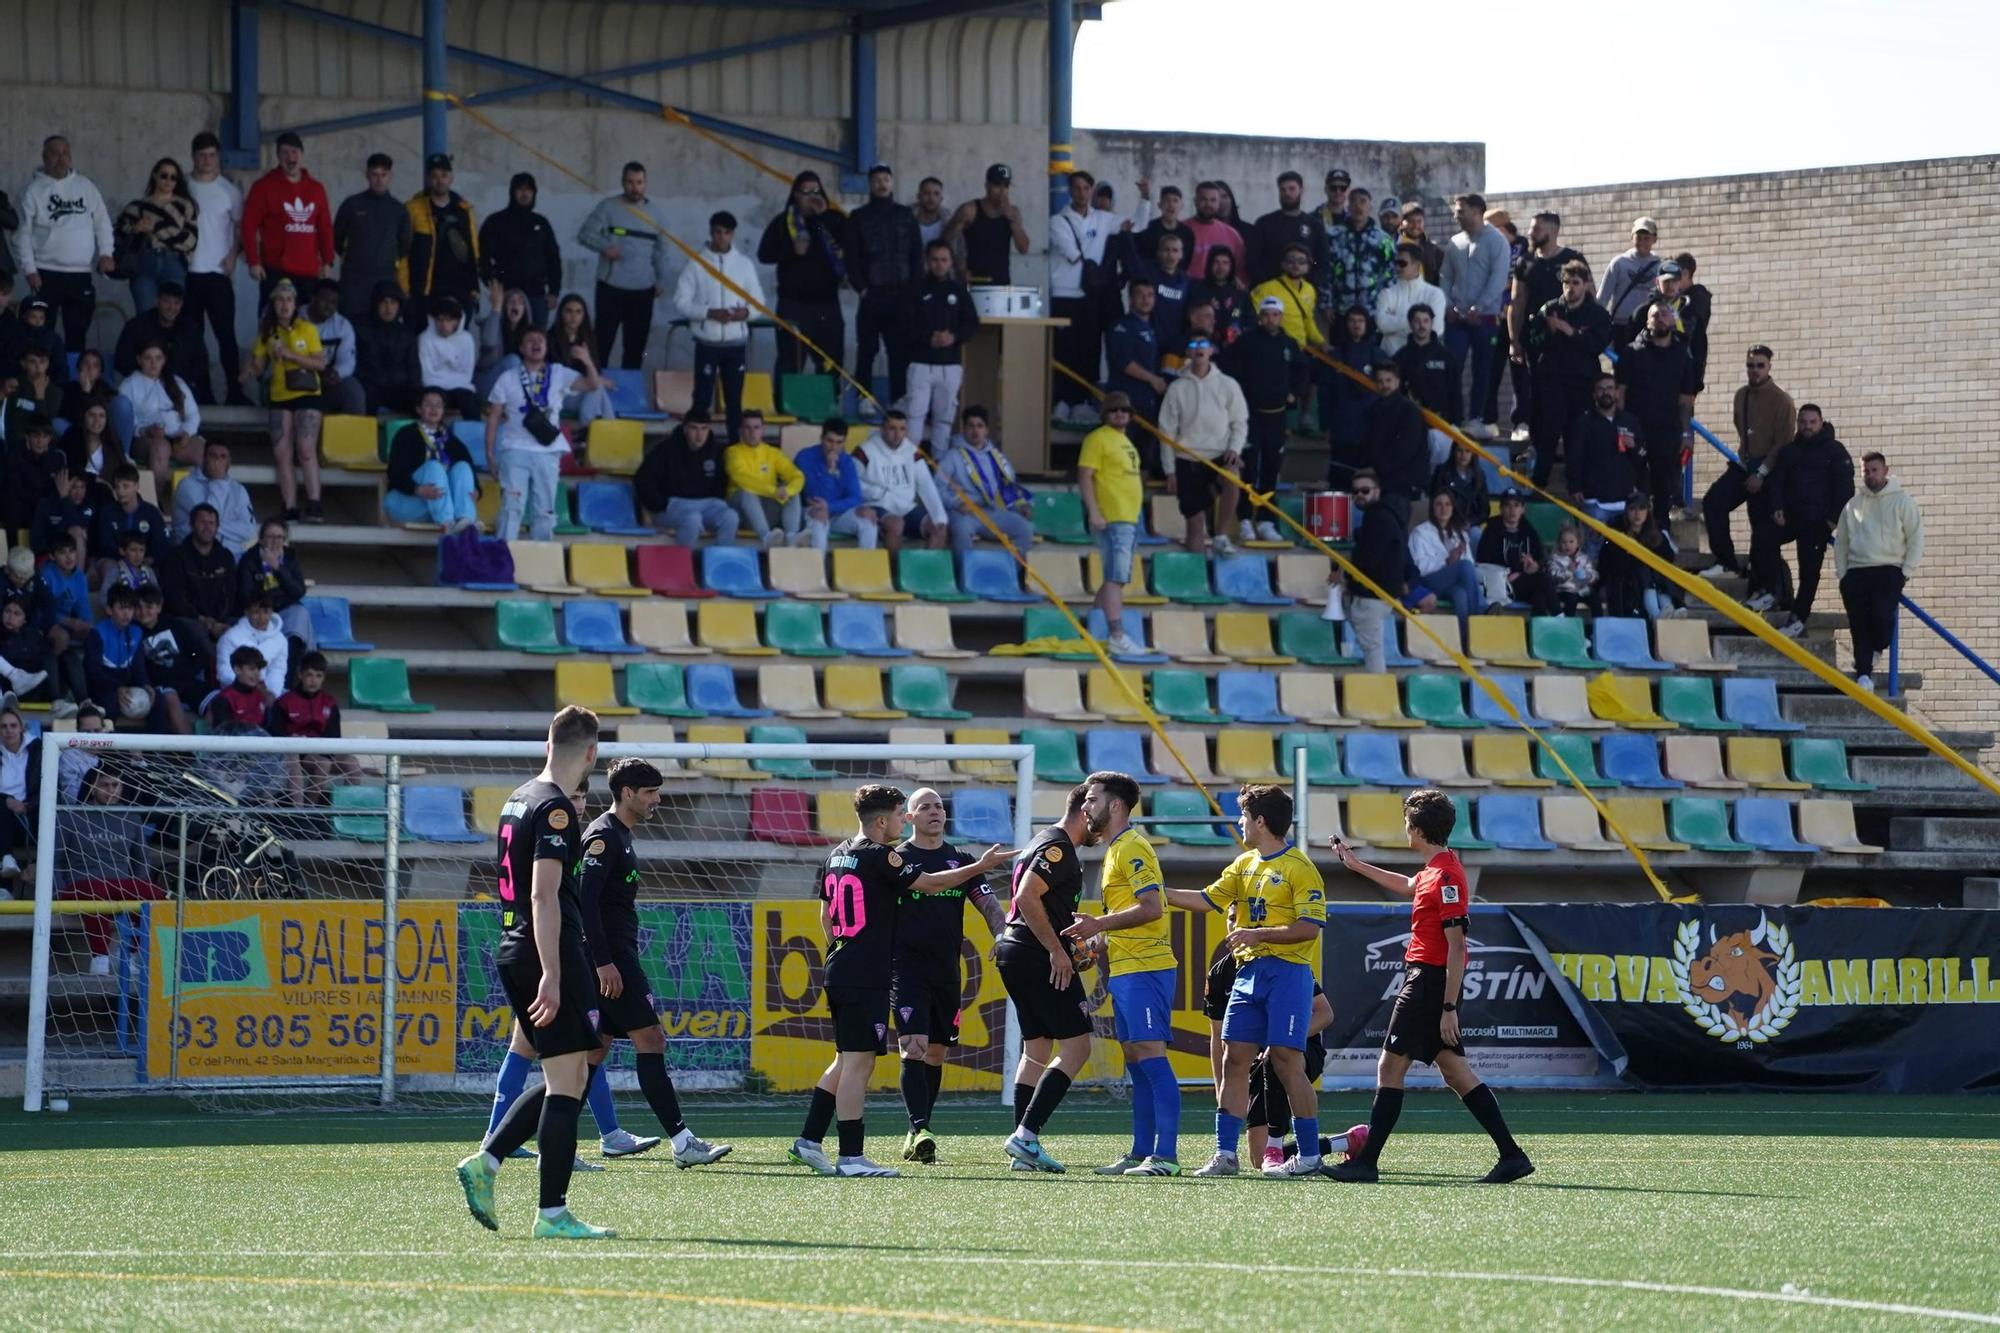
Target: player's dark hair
572 729
877 799
1431 813
1271 804
1118 786
636 774
1077 794
1874 456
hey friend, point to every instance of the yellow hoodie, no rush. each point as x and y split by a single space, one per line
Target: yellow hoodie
1300 299
1879 528
759 468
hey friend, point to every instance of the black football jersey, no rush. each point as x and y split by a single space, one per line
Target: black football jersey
1052 856
608 883
931 926
538 823
861 882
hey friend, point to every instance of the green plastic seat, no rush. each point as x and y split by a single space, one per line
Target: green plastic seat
361 827
1322 758
1690 701
1293 506
659 689
923 690
1560 641
1437 700
1578 752
383 684
1308 637
1547 521
1462 838
797 629
809 397
390 429
930 575
781 768
1059 518
1056 758
566 524
1191 835
1824 764
1183 696
1046 622
528 626
1182 576
1703 822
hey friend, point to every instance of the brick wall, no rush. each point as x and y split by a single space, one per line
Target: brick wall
1879 289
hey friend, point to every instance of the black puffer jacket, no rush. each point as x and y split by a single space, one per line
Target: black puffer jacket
1813 480
885 248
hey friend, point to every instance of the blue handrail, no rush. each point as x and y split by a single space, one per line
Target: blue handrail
1928 619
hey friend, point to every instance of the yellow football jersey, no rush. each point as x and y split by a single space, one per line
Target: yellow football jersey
1274 893
1130 869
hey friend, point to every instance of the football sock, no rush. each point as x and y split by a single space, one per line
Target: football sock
1381 1122
556 1136
1023 1094
1228 1131
658 1086
1485 1108
1048 1096
507 1086
1166 1108
1308 1127
851 1138
916 1093
518 1125
818 1117
602 1109
1143 1111
934 1078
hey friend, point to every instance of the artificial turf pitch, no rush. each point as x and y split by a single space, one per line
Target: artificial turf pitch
1646 1211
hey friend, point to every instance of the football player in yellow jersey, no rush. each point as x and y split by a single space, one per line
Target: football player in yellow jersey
1140 963
1281 910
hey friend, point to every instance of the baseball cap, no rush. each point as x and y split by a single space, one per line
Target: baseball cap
1391 205
1647 225
437 160
40 303
1270 303
1114 401
1668 269
1338 176
1514 493
999 174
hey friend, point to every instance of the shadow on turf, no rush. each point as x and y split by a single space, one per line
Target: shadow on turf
1438 1180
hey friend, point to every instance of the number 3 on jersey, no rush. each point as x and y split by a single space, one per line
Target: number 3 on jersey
849 907
506 863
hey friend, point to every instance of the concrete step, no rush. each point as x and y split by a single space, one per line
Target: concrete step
1917 774
1944 834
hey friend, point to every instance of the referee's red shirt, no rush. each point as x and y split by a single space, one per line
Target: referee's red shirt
1442 892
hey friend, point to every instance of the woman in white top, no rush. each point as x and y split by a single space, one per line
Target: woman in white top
524 445
166 422
1442 554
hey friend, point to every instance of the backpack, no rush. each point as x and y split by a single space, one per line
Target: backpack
471 561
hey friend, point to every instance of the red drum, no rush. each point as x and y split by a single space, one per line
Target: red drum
1328 515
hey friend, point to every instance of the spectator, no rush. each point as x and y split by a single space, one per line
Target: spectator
10 220
1628 283
1627 585
372 234
1876 547
34 471
1511 543
524 445
1409 290
1289 224
339 390
1169 280
684 485
1765 422
898 486
832 487
167 323
127 514
262 631
211 286
930 209
986 233
1132 351
448 357
431 477
1656 372
1410 229
1228 212
166 422
1271 370
518 249
90 448
631 251
31 329
155 234
939 321
1503 346
1331 214
976 469
71 512
1107 472
270 570
1431 376
571 341
20 779
243 705
89 388
1078 279
75 764
1297 301
1391 216
287 223
500 331
178 652
1174 356
198 577
444 246
1462 478
1810 486
1344 403
1395 441
1441 552
236 521
1219 289
308 711
115 667
105 858
1359 258
765 486
1212 228
1607 455
1475 291
1566 338
1381 553
1204 411
34 392
714 296
288 348
1536 281
24 654
63 611
64 238
1573 572
385 355
1693 305
1168 223
885 259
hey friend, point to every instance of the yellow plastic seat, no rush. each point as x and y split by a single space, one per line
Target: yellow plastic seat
600 568
926 631
1136 592
616 445
1055 692
486 507
1829 825
856 691
985 770
1245 636
730 627
1183 636
1419 644
923 770
655 733
1507 760
487 802
1323 820
789 689
1644 820
1302 575
662 627
539 566
590 685
1051 803
1697 761
718 733
1571 822
1374 700
833 813
351 442
1309 696
758 393
1564 701
1062 571
1439 760
1376 818
1163 514
1107 700
1246 754
801 572
865 574
1626 701
1686 644
1503 641
1758 761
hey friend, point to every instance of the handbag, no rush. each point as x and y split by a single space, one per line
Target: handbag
300 380
1096 278
467 559
535 416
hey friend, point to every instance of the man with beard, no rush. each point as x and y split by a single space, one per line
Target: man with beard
983 230
1289 224
1382 554
1211 229
1810 485
1565 338
517 248
1607 460
1657 373
444 246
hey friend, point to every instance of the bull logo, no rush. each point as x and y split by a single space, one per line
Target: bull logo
1744 986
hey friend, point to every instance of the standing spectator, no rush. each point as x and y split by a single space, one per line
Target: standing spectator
338 387
1344 403
938 320
1566 339
765 486
804 245
1219 289
524 445
713 296
1297 301
1410 229
1395 442
1462 478
975 469
1810 486
64 238
1628 283
1475 291
1693 305
930 209
1205 412
898 486
1627 586
1409 290
270 571
1078 278
518 249
1381 553
1431 376
169 325
372 234
198 577
156 234
1132 351
1607 455
1331 214
213 488
1441 553
1876 547
1657 374
449 357
500 331
832 487
10 220
1271 370
166 422
570 344
431 477
1536 281
987 232
1212 228
1168 223
1503 346
683 483
288 348
444 245
287 224
1511 543
1107 474
1765 422
1164 271
885 259
1359 258
211 285
385 355
1288 224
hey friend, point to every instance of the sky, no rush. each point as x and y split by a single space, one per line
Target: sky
1591 94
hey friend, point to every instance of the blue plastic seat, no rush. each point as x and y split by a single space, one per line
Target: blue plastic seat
333 625
606 506
1250 696
1766 823
1513 822
1516 689
1118 752
1633 760
471 432
733 572
436 814
861 628
1392 643
1134 623
1624 641
982 815
596 627
1247 579
1754 703
711 688
992 576
628 398
1376 757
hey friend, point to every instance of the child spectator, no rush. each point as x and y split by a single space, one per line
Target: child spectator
115 667
67 593
104 857
24 654
243 705
310 712
32 391
1630 588
126 515
449 357
31 473
257 629
177 651
1573 572
131 569
72 514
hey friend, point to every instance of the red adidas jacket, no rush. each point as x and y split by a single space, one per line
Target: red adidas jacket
287 225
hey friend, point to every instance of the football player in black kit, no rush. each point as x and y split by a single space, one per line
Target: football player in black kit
610 887
859 887
924 990
547 977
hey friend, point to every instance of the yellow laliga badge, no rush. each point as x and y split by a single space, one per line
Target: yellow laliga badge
895 861
596 847
558 819
1052 854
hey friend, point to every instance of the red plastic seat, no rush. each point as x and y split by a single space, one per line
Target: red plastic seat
669 571
783 815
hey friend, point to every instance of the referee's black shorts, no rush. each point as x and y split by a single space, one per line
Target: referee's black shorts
1041 1009
571 1031
1413 1023
632 1009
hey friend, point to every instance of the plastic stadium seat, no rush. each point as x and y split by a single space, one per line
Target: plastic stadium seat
757 393
662 627
906 739
1634 761
1513 822
332 623
433 813
800 572
1830 825
601 569
926 631
1048 803
1625 700
658 689
797 629
1247 579
862 629
1437 700
1245 636
788 689
1060 572
983 770
857 692
1685 644
1323 820
809 397
1424 650
923 691
488 802
1183 696
1137 593
1164 520
383 684
1690 701
1309 638
716 733
1192 765
615 445
1392 643
865 574
1119 751
1703 823
1059 518
368 827
732 571
1501 640
1564 701
606 506
1376 817
528 626
992 576
1055 754
589 685
673 390
351 442
1644 821
929 575
711 691
1623 641
629 400
730 627
1322 759
1107 698
1547 520
1182 576
1178 803
982 816
1250 696
666 570
1571 822
1245 755
1560 641
803 769
1504 760
1049 622
1697 761
1823 763
1302 575
1576 751
1754 703
1374 701
1462 836
1377 759
1440 761
1183 636
652 733
783 815
1055 692
539 565
1309 696
1760 761
1134 624
1516 690
565 508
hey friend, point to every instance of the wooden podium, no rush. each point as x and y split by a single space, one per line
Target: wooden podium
1007 371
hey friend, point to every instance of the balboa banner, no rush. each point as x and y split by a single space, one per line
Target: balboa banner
1812 998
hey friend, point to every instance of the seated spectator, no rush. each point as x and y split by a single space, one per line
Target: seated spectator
34 472
34 329
1606 461
132 569
179 653
166 423
19 582
431 477
115 668
62 610
683 484
171 326
1344 403
1221 290
20 778
765 486
25 659
1461 477
156 234
573 343
90 388
1442 554
213 487
74 764
260 633
308 711
1399 298
198 577
105 857
500 331
1629 587
832 487
1511 543
339 390
899 487
288 348
72 513
524 445
92 449
1573 572
271 568
244 704
385 355
31 391
1132 351
126 513
975 469
449 357
1431 376
1395 443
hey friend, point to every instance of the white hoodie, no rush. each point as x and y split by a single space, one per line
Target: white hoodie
893 480
152 407
64 225
700 291
1392 310
269 641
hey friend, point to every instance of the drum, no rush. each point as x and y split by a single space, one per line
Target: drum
1328 515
